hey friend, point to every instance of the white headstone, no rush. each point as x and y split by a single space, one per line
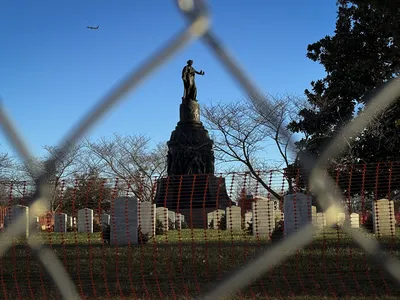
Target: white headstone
162 215
247 219
35 226
314 214
233 218
124 221
320 220
276 204
215 216
210 221
37 223
15 212
278 215
263 217
60 222
383 217
105 219
179 220
331 216
85 220
297 207
70 221
354 220
147 218
172 217
341 217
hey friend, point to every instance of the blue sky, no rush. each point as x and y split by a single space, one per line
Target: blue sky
53 70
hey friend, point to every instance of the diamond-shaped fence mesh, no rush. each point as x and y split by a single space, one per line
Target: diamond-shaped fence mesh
261 247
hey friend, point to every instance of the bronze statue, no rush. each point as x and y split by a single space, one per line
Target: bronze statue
188 74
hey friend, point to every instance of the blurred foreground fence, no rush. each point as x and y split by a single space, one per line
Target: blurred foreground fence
180 262
196 229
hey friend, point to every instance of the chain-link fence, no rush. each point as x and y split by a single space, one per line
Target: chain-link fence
323 186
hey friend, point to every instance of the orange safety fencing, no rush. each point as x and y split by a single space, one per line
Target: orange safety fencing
169 237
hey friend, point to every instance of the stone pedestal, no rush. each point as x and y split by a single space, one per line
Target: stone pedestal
191 187
190 147
189 112
199 193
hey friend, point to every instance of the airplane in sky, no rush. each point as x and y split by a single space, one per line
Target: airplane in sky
91 27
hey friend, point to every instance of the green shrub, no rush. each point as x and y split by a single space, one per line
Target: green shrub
170 224
142 238
277 234
211 224
96 226
222 223
159 227
184 225
106 233
249 230
369 224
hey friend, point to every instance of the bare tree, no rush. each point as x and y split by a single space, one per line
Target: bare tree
242 131
244 183
6 165
66 167
131 159
13 187
273 120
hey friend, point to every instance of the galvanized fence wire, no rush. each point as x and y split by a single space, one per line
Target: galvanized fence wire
197 14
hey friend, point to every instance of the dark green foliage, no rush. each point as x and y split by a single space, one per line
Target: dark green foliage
106 233
142 238
184 225
96 226
211 224
249 229
369 223
86 194
170 224
159 227
222 222
277 234
362 55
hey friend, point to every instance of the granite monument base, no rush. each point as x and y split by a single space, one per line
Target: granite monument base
193 196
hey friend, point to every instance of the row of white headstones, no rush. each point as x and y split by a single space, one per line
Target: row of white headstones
127 214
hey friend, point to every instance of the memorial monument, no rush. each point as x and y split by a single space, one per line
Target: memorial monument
190 153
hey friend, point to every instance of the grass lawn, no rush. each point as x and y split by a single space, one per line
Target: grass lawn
183 263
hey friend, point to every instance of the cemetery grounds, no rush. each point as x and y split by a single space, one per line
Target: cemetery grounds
181 263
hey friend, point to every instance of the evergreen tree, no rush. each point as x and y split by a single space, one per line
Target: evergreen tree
362 55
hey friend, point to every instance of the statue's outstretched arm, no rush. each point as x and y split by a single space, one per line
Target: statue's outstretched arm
200 73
